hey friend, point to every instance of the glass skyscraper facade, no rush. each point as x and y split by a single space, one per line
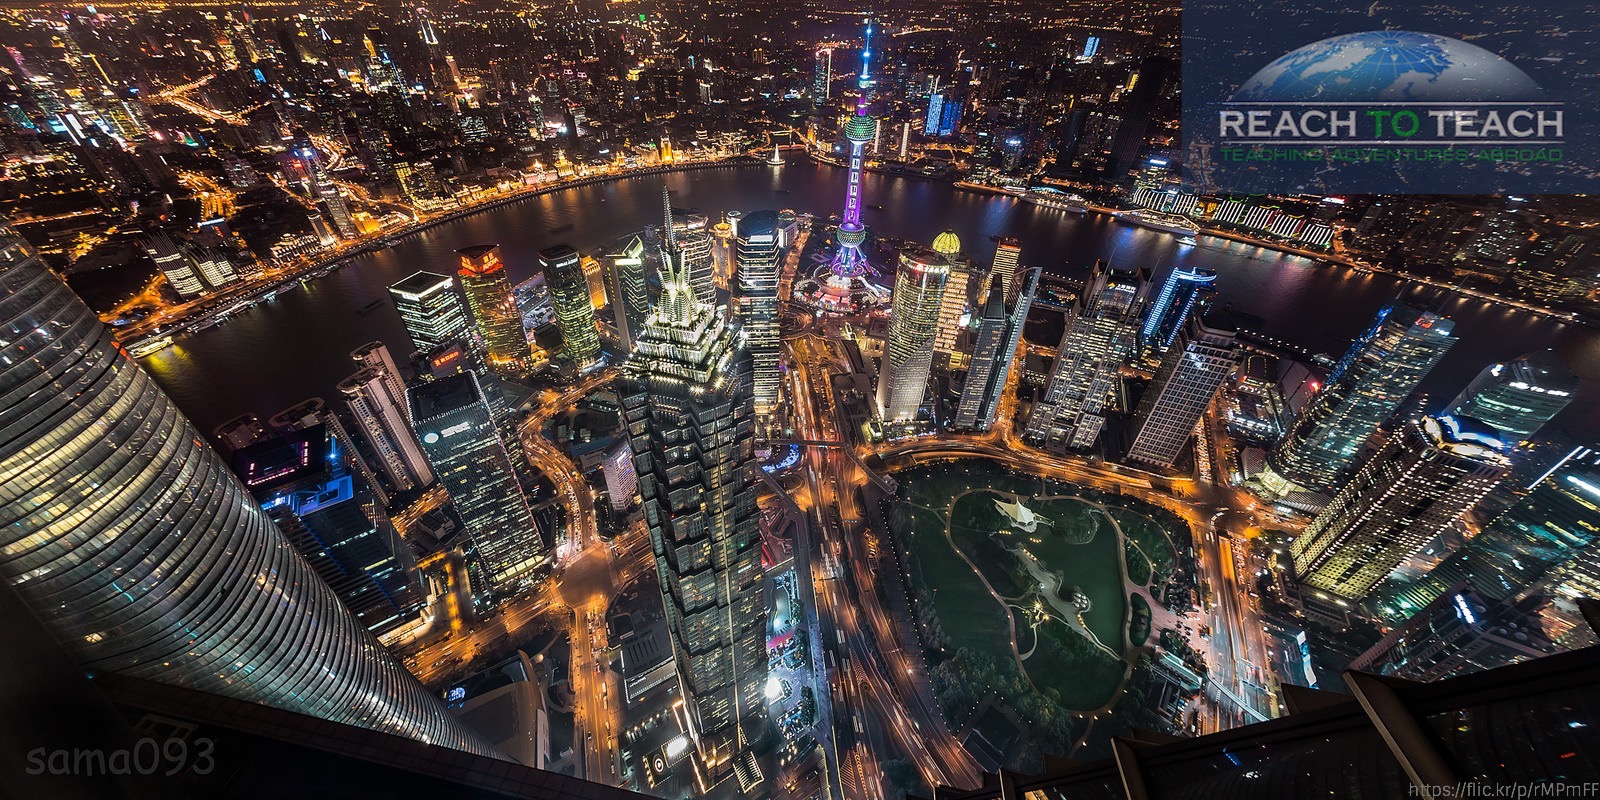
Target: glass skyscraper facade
908 349
306 482
459 437
1182 293
1420 483
569 294
382 417
430 310
133 543
1514 555
994 349
1519 396
1100 335
1380 370
760 253
1190 375
494 311
687 404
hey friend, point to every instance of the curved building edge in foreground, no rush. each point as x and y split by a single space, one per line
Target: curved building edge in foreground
128 536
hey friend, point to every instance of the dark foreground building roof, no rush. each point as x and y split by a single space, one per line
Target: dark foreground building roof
60 731
1537 722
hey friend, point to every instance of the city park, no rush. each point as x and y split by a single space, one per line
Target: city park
1035 601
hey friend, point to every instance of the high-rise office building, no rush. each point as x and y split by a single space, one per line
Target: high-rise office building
382 418
377 355
919 288
1418 484
953 307
1519 396
760 254
1184 293
124 533
466 451
723 249
494 310
624 266
1458 633
1514 555
930 125
687 402
326 192
993 352
1200 360
430 310
569 294
174 264
987 341
1099 337
822 77
1381 369
306 482
1007 263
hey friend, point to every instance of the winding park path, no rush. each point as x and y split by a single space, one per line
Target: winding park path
1050 587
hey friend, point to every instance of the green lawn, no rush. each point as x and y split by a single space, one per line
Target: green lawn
1076 541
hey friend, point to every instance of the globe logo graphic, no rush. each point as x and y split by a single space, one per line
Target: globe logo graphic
1389 66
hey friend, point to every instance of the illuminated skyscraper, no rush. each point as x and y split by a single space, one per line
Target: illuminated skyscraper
172 262
306 482
1514 555
995 348
1381 369
908 349
430 310
946 343
686 400
687 244
494 310
1007 262
569 294
466 451
1424 478
624 266
376 354
1519 396
1098 339
129 538
1184 292
760 253
381 416
1199 361
822 77
327 194
214 267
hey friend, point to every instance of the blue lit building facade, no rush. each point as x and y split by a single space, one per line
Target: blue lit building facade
305 482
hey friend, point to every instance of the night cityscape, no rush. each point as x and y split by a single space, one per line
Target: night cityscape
816 402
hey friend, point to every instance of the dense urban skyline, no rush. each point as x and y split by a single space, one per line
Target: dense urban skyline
817 402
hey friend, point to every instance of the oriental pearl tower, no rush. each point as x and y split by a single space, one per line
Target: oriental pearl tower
843 287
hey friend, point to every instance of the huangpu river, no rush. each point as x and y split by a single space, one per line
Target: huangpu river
276 354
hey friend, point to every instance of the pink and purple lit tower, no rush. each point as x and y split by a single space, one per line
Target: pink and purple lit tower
849 261
843 286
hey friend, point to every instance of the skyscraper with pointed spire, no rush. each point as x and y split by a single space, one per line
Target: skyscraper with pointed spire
686 397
